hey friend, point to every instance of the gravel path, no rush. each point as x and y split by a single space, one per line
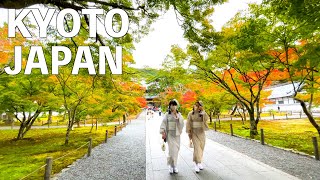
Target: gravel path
123 157
300 166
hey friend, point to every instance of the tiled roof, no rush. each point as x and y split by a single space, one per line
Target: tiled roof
283 90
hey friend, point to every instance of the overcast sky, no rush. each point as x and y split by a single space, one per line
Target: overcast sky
153 48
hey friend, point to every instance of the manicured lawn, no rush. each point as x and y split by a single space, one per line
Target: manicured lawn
291 134
19 158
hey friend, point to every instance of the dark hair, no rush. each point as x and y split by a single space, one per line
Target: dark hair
172 102
193 108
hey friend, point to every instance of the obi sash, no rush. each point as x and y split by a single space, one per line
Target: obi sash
197 124
172 126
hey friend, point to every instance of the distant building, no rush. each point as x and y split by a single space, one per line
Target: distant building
153 100
282 98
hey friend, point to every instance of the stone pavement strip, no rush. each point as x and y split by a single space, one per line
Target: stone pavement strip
220 162
123 157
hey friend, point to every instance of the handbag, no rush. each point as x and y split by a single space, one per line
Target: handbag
163 147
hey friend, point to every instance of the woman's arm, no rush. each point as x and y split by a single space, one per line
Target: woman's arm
163 126
181 121
205 120
188 126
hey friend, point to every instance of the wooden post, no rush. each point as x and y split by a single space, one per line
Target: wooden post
97 124
273 116
231 129
124 118
48 169
300 114
262 137
89 147
210 117
115 130
215 126
106 136
231 117
315 146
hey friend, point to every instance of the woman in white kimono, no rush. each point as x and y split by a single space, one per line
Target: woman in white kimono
171 129
196 125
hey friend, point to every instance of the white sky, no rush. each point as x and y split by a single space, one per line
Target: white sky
153 48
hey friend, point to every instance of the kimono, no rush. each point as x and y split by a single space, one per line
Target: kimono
173 128
196 125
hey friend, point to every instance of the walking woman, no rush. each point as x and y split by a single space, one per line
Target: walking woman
196 125
171 129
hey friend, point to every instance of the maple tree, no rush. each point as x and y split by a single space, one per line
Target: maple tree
240 63
25 97
7 46
295 45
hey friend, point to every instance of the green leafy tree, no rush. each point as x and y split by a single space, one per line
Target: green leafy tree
239 63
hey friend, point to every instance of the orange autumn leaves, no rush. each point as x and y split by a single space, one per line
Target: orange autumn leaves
137 91
7 45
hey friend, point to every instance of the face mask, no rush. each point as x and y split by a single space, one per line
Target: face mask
195 107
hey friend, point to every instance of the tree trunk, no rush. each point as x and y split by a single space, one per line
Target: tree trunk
50 117
70 125
26 124
310 102
92 125
310 117
71 117
66 142
64 115
244 112
234 109
312 91
253 125
241 116
258 111
20 134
